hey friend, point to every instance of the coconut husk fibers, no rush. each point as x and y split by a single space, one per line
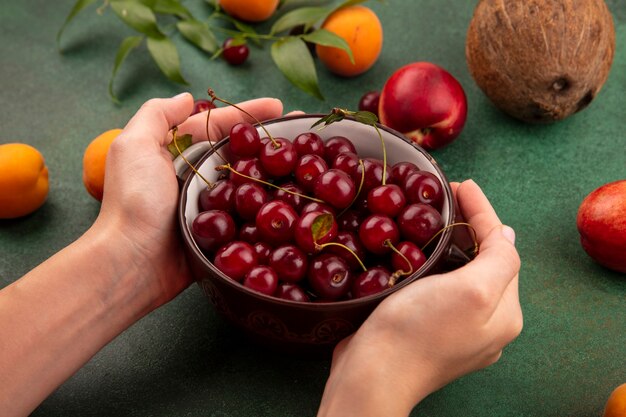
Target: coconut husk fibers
541 60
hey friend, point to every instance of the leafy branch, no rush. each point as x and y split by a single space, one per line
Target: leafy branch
289 49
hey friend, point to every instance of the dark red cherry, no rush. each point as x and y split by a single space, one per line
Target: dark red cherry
304 231
412 253
248 232
424 187
286 193
250 167
371 282
315 206
292 292
308 168
350 221
212 229
244 140
278 160
346 162
336 145
373 174
263 279
352 242
276 221
249 198
234 54
419 223
400 171
263 251
309 143
235 259
386 199
369 102
329 276
376 230
220 197
335 188
201 105
289 262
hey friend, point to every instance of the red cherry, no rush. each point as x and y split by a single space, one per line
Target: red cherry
250 167
289 262
286 193
236 259
211 229
201 105
400 171
419 223
371 282
329 276
350 221
292 292
220 197
335 188
424 187
278 161
347 162
386 199
369 102
249 198
244 140
276 221
315 206
263 251
373 174
336 145
234 54
304 232
263 279
414 255
376 230
309 143
351 241
308 168
249 233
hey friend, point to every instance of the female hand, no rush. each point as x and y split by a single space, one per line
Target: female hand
141 189
435 330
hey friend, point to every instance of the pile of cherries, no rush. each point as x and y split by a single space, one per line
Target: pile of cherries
310 236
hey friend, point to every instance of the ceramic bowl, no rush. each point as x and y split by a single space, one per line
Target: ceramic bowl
288 325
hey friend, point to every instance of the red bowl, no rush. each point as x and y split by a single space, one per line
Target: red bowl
288 325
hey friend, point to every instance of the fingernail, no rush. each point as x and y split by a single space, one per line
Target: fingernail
509 234
180 95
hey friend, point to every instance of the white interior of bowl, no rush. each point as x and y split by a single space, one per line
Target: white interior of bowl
365 140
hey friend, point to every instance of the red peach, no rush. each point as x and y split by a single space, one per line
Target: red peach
425 103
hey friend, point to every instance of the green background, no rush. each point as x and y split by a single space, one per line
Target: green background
184 360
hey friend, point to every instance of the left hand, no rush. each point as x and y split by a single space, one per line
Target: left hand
141 189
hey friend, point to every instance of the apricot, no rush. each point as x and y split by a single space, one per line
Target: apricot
250 10
94 161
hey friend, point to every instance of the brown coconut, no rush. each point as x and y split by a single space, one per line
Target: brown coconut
541 60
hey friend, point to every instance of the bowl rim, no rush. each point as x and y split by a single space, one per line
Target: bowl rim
435 256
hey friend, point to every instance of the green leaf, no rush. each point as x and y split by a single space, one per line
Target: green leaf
306 16
138 16
365 117
165 55
326 38
321 226
329 119
125 49
199 34
172 7
78 6
183 142
246 29
294 60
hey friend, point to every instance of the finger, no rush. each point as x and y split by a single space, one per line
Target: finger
295 113
476 209
157 116
454 186
489 274
507 320
224 118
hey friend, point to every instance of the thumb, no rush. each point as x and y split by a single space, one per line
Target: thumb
157 116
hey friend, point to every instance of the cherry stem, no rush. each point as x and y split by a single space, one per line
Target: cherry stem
400 273
193 168
215 97
208 136
319 247
475 238
359 190
382 141
233 170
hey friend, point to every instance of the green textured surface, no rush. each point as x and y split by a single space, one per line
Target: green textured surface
183 360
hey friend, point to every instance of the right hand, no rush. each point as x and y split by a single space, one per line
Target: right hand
435 330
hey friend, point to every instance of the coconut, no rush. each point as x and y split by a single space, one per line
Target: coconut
540 60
